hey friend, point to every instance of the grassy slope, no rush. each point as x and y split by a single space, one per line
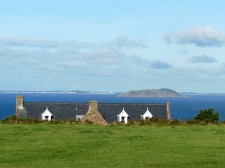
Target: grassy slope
111 146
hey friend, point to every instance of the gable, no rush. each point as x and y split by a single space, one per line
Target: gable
123 113
147 114
46 113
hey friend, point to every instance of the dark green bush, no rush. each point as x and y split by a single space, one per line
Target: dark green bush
154 121
16 120
176 122
9 120
206 116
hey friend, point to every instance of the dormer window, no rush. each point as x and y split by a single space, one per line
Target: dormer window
146 115
123 117
47 115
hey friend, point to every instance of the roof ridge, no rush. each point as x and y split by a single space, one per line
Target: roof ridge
98 103
137 103
55 102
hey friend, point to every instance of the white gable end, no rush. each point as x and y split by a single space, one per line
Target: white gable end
146 115
47 115
123 113
123 117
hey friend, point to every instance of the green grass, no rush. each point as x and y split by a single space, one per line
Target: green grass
86 146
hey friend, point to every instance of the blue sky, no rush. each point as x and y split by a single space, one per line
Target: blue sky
112 45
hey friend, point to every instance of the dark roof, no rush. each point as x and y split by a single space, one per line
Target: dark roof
60 111
109 111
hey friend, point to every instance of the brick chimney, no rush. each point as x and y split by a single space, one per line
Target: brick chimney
19 104
93 105
93 115
168 111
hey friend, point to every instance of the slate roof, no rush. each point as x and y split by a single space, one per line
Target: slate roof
109 111
60 111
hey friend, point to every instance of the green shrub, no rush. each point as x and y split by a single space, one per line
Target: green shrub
9 120
16 120
154 121
176 122
207 116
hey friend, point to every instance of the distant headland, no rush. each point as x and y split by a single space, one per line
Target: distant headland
133 93
164 92
152 93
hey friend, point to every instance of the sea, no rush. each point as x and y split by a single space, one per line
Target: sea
182 108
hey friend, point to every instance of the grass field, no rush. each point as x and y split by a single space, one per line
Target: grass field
61 145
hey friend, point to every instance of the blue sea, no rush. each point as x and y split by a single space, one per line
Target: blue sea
183 108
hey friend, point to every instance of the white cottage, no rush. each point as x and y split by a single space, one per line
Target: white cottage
47 115
146 115
122 117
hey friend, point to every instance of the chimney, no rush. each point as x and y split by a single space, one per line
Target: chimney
93 105
19 104
93 115
168 111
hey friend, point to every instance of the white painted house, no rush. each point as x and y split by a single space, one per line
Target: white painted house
122 117
47 115
146 115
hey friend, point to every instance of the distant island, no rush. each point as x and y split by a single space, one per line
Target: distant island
164 92
151 93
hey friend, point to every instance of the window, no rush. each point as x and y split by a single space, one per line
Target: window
47 115
122 119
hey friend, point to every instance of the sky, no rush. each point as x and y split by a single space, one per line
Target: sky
112 45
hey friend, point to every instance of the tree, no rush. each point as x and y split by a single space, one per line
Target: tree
207 115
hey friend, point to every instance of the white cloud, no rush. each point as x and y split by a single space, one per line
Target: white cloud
184 52
103 54
201 36
123 41
72 64
203 59
156 64
72 57
27 42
